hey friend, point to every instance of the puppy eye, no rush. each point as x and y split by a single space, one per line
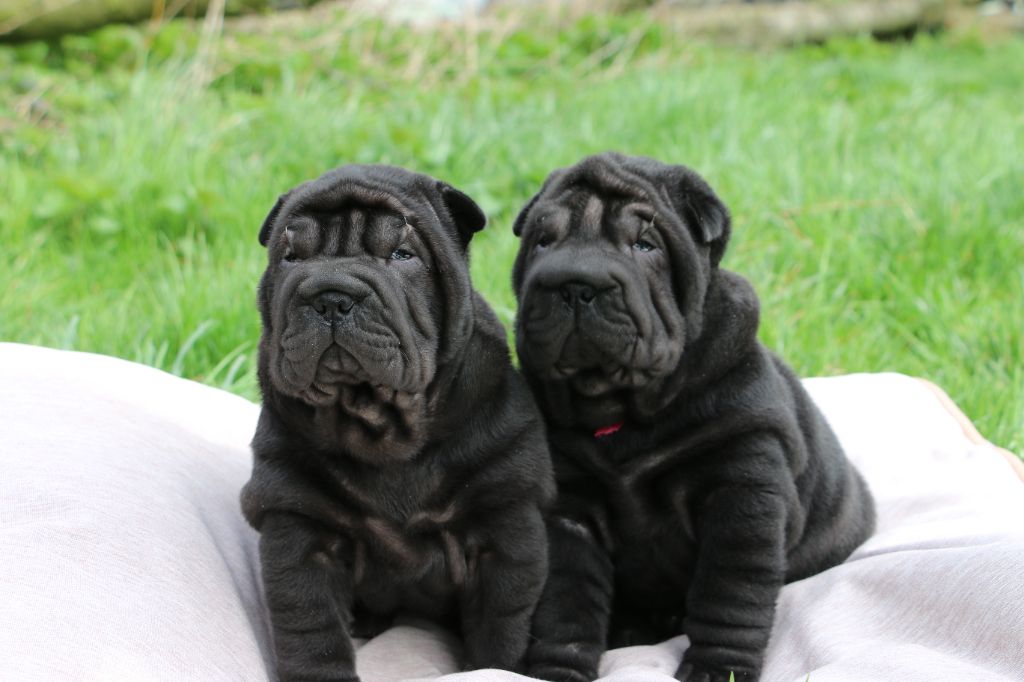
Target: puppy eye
545 241
643 245
401 254
290 257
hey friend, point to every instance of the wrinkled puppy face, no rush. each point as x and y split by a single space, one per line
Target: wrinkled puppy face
354 298
614 262
352 304
596 308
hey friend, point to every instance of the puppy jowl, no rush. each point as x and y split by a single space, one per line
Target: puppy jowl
695 475
399 461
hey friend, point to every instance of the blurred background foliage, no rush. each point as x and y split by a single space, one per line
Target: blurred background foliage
875 184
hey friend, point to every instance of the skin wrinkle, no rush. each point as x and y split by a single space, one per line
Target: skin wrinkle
452 332
382 235
362 371
332 238
705 438
456 558
280 323
390 535
352 492
608 180
421 322
641 321
302 237
668 321
359 562
443 517
316 394
680 246
387 535
360 359
365 194
304 374
593 213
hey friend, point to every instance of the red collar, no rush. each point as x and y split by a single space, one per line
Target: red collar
607 430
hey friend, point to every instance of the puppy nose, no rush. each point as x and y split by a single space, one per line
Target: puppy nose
573 292
333 305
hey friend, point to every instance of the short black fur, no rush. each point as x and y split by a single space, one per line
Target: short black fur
399 459
695 474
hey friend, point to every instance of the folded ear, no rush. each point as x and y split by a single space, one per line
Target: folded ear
704 213
268 222
469 218
520 223
554 177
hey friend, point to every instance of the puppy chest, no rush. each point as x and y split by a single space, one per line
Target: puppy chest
423 551
653 565
646 503
654 541
422 574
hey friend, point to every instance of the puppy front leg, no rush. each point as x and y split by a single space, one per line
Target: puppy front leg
503 591
740 570
570 626
309 595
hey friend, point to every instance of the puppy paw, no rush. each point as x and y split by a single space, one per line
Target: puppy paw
694 672
554 673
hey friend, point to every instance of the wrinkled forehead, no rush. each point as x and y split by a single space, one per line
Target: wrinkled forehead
585 201
335 195
580 197
612 177
609 182
613 181
339 221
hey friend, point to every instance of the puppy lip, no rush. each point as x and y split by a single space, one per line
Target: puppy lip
565 371
328 389
569 370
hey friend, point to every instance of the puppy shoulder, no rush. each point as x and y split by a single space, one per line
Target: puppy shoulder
486 324
737 294
502 432
272 488
278 482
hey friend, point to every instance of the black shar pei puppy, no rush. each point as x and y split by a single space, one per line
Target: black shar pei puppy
399 459
695 475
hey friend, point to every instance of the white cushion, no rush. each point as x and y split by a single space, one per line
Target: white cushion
123 554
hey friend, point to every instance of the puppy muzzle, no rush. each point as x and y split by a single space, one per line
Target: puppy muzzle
575 317
340 328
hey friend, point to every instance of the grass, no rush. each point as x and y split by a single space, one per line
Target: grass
876 188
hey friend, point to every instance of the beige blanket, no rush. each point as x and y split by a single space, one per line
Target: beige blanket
123 555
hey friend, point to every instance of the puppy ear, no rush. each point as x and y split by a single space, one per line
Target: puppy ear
554 177
469 218
268 222
520 223
704 213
